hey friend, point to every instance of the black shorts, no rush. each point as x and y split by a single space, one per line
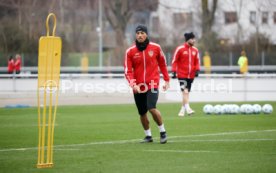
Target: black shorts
146 101
185 83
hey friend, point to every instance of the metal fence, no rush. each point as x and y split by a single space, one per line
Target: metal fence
74 59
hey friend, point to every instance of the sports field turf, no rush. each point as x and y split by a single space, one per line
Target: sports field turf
105 139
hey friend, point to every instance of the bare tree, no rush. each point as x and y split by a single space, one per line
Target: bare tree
208 18
258 41
118 14
23 22
260 6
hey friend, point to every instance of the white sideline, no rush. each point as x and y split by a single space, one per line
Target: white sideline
182 151
224 133
224 140
135 140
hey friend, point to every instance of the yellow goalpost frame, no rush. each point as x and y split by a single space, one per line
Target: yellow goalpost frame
49 58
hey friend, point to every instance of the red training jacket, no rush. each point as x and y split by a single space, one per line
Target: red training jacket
11 66
186 61
17 64
141 67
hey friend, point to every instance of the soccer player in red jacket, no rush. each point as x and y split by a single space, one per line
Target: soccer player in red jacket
10 65
186 66
17 64
142 63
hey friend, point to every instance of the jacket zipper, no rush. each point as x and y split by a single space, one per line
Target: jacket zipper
144 66
189 63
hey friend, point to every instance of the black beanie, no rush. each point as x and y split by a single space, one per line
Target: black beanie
141 28
188 36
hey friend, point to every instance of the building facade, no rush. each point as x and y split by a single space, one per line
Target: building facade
235 20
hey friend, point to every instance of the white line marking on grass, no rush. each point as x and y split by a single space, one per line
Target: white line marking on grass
17 149
100 143
223 133
68 149
137 140
224 140
23 125
182 151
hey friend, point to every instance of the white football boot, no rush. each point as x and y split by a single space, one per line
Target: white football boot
181 112
190 111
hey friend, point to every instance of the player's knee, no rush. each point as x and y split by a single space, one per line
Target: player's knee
152 110
186 90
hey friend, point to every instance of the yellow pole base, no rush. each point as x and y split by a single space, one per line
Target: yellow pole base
45 165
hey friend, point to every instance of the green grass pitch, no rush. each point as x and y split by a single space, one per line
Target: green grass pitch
105 139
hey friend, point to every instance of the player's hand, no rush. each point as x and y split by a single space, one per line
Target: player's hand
173 75
196 73
166 86
136 89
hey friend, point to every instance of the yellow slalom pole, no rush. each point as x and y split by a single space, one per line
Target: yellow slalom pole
49 130
50 121
43 127
53 127
39 129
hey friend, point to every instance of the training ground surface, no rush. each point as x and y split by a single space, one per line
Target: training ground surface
105 139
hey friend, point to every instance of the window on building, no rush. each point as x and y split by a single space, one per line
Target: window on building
230 17
155 24
274 17
182 19
252 17
265 17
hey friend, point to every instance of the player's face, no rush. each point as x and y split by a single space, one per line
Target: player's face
141 36
191 41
